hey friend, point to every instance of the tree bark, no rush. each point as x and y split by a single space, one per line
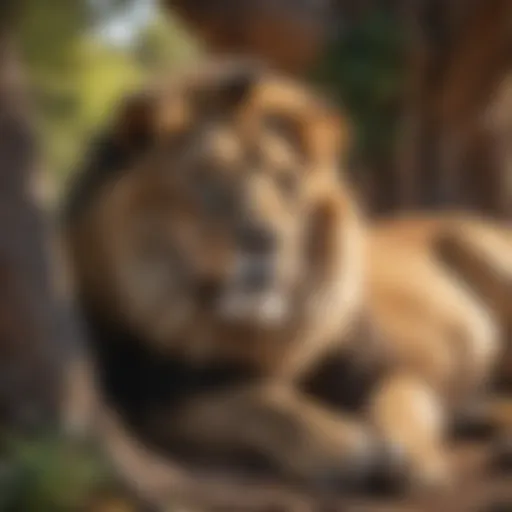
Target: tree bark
29 318
452 150
452 145
288 35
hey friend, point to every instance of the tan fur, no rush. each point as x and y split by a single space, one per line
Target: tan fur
122 249
414 293
438 290
136 207
145 230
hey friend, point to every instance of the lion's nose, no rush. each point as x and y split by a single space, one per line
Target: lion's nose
255 240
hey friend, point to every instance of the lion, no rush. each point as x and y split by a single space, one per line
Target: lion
438 290
216 257
238 302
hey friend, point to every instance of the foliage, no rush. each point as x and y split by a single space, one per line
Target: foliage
52 475
164 44
77 76
364 70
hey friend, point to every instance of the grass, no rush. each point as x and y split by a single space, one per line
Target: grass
54 474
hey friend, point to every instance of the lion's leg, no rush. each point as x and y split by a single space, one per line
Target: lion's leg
299 437
408 415
481 255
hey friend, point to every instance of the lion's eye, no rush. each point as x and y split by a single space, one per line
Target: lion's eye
213 193
288 183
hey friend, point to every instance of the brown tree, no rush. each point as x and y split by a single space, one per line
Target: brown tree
453 146
457 112
290 35
29 318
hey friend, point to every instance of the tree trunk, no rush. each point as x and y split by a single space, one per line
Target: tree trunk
453 150
29 322
289 35
453 146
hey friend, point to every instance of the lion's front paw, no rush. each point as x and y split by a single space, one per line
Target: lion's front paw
342 468
400 471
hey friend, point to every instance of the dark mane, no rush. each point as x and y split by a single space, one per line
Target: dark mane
134 379
139 383
105 161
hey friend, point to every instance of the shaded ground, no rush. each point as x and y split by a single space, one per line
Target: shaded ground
55 475
477 491
480 487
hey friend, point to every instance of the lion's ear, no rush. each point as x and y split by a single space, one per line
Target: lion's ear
344 136
135 121
150 116
329 138
238 88
231 91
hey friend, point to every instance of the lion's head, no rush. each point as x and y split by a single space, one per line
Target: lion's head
230 211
